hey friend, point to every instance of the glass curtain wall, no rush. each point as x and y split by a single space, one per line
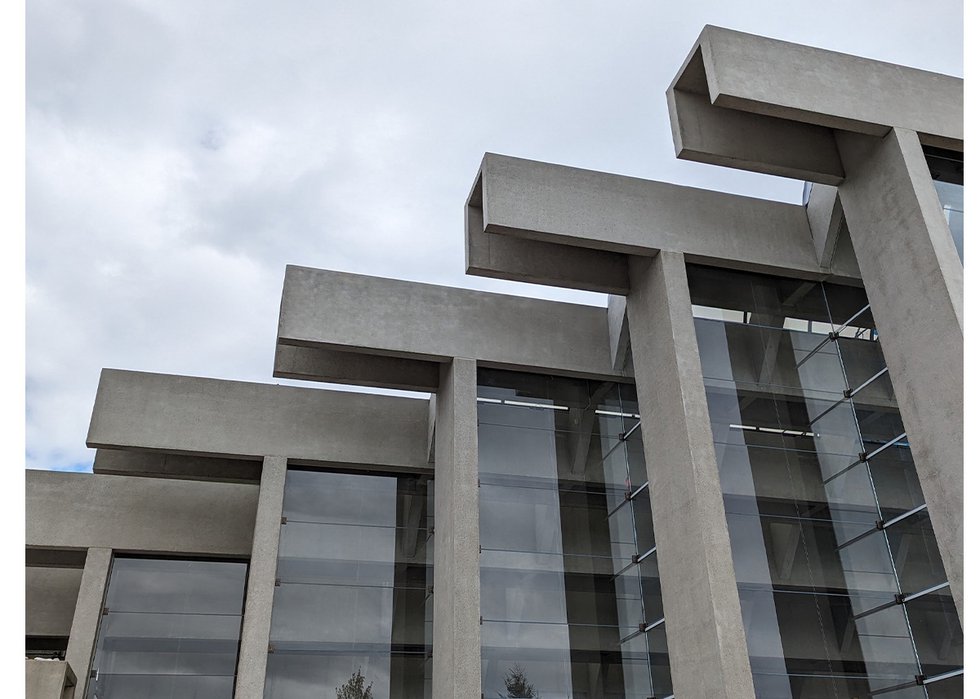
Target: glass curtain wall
946 168
842 590
570 590
352 610
170 630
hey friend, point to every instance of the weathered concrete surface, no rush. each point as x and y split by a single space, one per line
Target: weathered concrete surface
805 84
189 415
253 651
82 510
49 679
456 596
708 652
717 136
190 467
914 280
336 310
88 613
334 366
826 215
559 204
537 262
50 595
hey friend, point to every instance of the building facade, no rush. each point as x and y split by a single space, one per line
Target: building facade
742 478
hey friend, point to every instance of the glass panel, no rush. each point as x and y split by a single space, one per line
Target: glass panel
937 632
896 481
916 554
353 603
564 514
171 629
950 688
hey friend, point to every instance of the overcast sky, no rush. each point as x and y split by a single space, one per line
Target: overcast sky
180 154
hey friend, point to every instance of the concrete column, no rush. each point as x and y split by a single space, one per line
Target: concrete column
48 679
708 653
456 596
253 653
88 614
914 281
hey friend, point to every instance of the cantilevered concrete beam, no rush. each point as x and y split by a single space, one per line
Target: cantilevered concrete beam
757 75
555 204
238 420
82 510
351 314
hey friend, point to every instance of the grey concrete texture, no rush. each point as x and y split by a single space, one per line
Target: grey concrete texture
559 204
619 331
50 595
333 366
717 136
189 467
708 651
337 310
253 653
457 669
190 415
759 75
826 215
83 510
914 281
537 262
49 679
88 614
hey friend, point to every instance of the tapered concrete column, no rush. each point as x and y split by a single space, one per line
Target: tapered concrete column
257 621
708 654
456 596
914 281
88 613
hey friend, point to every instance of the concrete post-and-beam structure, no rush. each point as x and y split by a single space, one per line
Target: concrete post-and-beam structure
48 679
257 619
88 614
456 641
708 652
734 99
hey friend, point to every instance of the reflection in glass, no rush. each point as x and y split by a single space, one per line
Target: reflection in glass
946 168
353 603
170 629
570 590
828 530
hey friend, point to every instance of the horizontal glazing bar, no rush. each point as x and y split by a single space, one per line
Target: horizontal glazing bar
943 676
882 526
777 430
547 623
884 446
812 352
854 317
922 593
107 610
855 391
651 627
352 585
904 515
649 553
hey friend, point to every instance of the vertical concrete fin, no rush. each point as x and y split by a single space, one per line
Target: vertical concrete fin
619 331
253 651
826 217
708 652
456 596
914 281
88 614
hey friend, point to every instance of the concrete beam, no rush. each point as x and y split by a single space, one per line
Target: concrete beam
375 316
161 465
537 262
82 510
257 620
456 596
337 366
50 595
88 614
47 679
709 134
804 84
708 651
914 281
234 419
601 211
